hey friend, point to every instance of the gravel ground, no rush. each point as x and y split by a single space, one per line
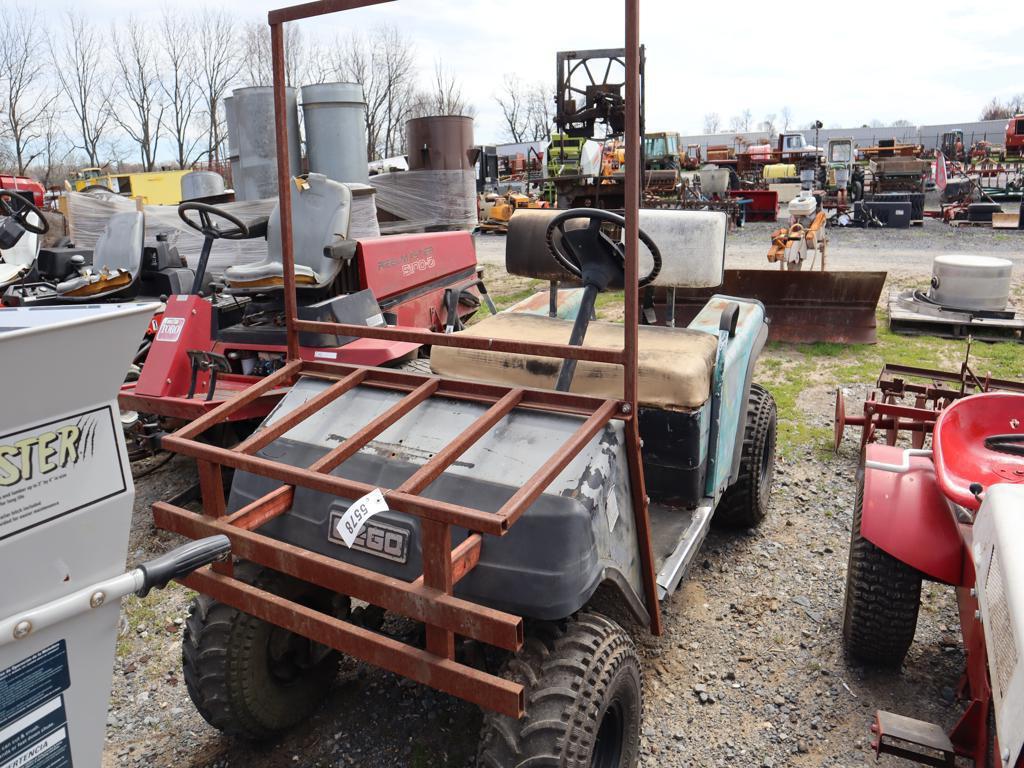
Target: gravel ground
748 673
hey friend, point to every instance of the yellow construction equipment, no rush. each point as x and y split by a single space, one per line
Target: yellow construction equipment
156 188
496 210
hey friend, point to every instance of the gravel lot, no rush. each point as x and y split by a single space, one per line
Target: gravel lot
748 673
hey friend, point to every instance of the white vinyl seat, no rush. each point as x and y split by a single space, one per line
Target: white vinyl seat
116 259
321 214
17 262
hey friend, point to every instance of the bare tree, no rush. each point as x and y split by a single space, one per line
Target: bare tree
217 66
84 82
513 100
443 97
712 122
746 116
538 112
736 123
384 64
768 125
257 66
179 84
786 116
26 99
139 96
53 163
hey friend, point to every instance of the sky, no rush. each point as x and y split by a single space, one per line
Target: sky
845 64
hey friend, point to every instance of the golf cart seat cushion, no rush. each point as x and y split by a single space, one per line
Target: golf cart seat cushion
692 246
676 364
116 259
321 214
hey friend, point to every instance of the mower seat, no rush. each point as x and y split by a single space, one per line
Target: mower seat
17 262
676 364
321 213
116 260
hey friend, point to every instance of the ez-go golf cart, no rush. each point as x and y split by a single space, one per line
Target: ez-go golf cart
952 514
483 508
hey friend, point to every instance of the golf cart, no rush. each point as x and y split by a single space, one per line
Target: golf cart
489 508
208 349
951 514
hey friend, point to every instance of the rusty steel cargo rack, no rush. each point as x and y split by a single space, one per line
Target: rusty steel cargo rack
428 599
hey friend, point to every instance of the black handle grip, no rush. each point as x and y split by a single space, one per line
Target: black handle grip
182 561
730 317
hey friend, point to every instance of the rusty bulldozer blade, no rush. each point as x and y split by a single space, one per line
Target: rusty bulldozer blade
802 306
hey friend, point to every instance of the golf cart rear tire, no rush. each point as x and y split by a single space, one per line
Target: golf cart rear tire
883 596
584 700
227 663
745 502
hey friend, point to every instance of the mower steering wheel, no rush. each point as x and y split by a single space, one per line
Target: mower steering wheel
207 213
581 250
18 208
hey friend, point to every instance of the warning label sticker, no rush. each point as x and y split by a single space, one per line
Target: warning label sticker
33 720
57 468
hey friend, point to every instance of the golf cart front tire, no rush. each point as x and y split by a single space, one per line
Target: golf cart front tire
235 664
584 700
745 502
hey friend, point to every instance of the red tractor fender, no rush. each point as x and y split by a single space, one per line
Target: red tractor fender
906 515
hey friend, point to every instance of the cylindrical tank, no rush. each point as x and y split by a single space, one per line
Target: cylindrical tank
229 117
439 143
971 282
257 148
335 120
199 184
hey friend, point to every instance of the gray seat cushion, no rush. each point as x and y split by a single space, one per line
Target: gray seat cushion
116 260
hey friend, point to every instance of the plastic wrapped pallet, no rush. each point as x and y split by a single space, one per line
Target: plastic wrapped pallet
88 214
412 201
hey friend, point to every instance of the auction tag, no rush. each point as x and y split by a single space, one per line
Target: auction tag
350 523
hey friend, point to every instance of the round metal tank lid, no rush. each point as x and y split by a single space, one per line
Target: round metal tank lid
966 260
325 94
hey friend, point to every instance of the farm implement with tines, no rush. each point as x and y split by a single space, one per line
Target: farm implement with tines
548 461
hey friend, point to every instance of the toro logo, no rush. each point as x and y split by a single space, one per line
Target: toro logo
419 260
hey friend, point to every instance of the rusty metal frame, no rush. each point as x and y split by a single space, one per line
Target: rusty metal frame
429 599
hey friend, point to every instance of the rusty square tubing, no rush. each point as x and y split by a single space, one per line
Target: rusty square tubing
415 601
239 401
389 378
442 460
264 509
485 690
462 341
318 8
531 490
429 509
264 437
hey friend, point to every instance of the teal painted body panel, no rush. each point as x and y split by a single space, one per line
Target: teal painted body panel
540 303
732 381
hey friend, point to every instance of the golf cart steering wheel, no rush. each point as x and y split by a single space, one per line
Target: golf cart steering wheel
206 225
18 208
589 253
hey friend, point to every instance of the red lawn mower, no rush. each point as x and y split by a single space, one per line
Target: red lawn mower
954 514
207 349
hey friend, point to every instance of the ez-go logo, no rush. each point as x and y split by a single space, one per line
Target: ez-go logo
376 538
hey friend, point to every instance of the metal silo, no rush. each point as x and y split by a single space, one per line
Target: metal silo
229 117
257 154
335 119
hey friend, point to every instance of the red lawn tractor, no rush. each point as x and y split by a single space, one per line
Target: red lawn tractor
208 349
954 514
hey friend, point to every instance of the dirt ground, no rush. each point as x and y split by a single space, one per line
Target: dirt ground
749 672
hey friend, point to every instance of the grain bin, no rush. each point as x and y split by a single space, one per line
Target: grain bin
335 120
256 142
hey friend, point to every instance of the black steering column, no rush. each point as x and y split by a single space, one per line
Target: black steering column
238 230
598 260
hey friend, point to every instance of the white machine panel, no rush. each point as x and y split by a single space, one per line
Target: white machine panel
998 561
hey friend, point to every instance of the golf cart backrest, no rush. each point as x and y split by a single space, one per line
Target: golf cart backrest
692 245
116 259
321 214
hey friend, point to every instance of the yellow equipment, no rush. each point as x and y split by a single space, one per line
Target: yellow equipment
156 188
497 210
